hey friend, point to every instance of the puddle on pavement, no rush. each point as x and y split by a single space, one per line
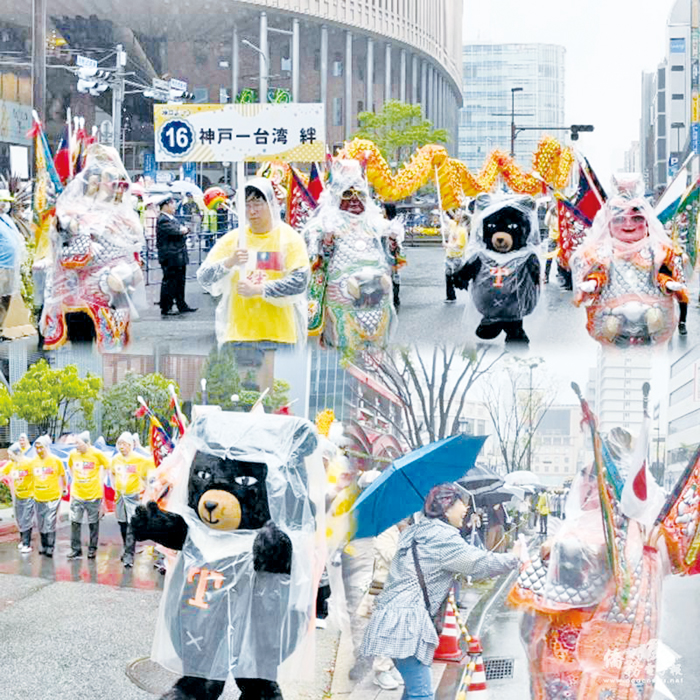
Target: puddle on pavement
106 569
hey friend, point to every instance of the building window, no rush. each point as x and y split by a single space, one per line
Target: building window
677 96
317 59
337 111
337 69
201 95
678 68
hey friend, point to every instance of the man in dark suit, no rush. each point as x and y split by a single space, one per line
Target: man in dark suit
171 240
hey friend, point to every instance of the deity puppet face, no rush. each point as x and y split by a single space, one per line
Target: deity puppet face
628 224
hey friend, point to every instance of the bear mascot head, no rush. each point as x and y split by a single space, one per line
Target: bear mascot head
502 265
245 511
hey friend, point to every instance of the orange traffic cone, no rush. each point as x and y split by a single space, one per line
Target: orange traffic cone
448 647
476 690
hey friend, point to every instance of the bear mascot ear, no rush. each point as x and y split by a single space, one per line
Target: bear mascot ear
482 202
527 202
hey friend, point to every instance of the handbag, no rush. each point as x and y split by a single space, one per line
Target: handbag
439 617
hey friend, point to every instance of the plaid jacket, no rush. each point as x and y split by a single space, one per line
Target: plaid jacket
401 626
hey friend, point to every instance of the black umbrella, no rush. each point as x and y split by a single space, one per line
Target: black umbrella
480 479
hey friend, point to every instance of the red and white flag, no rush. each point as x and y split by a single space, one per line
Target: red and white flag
642 498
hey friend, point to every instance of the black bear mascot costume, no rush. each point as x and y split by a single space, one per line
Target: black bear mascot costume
244 514
502 265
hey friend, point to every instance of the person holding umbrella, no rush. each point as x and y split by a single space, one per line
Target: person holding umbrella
429 556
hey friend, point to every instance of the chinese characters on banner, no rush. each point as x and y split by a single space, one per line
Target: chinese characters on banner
205 133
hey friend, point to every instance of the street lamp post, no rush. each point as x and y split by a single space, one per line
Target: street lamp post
512 119
265 72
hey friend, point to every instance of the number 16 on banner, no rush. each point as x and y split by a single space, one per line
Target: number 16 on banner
177 137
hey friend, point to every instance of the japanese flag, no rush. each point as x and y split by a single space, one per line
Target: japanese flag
642 498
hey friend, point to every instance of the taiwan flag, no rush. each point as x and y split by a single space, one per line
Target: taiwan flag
269 261
315 186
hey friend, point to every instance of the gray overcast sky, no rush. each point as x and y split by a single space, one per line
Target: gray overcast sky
608 45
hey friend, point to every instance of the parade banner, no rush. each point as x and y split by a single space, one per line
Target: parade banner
206 133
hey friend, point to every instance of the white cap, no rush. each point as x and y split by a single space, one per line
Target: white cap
126 437
84 436
44 440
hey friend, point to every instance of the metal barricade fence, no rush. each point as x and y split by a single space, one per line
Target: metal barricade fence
200 240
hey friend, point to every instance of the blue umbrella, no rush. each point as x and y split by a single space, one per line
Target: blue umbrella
402 487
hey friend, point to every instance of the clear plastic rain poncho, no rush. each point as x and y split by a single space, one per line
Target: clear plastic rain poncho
218 616
502 268
277 261
350 296
627 273
96 239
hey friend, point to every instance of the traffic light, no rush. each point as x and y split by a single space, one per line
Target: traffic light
575 128
93 81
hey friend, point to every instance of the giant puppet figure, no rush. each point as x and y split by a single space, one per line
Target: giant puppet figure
350 296
592 596
95 239
627 273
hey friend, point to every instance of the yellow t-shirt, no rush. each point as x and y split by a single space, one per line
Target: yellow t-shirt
22 477
85 471
272 255
130 473
456 240
47 473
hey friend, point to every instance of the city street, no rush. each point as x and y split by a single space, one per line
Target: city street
555 326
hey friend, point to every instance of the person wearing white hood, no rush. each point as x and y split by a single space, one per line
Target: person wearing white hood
261 272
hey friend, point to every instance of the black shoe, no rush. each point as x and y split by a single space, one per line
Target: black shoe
169 313
92 554
188 310
682 329
74 554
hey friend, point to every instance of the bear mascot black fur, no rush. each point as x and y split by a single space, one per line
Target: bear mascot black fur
239 598
502 265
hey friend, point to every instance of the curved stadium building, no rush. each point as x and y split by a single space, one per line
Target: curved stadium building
352 55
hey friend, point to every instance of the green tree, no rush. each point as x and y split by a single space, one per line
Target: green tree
121 401
7 408
52 398
224 382
398 130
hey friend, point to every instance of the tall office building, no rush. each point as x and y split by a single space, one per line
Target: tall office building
620 377
667 103
506 83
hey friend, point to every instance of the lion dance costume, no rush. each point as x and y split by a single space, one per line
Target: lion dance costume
96 238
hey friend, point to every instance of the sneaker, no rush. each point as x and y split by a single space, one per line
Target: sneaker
128 560
385 681
320 623
74 554
25 548
92 554
682 329
450 301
